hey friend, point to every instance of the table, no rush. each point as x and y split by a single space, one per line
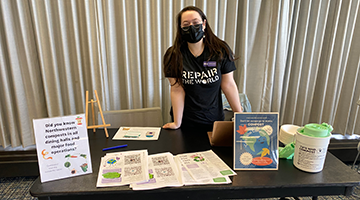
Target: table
335 179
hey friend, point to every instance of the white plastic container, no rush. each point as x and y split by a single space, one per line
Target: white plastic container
310 152
287 133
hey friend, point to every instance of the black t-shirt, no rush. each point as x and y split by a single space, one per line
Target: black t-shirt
202 84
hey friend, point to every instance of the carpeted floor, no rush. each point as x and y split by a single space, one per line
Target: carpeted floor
18 188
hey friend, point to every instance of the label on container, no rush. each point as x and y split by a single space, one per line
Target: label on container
309 158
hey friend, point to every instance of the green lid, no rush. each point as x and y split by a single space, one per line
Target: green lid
316 130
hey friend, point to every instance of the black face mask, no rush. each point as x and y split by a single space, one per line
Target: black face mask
193 33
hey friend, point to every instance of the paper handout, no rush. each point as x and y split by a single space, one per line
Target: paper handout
205 165
123 168
163 172
137 133
187 179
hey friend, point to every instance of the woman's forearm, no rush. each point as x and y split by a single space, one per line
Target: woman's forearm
177 95
177 101
231 92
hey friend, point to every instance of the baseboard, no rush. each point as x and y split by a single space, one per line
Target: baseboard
344 148
18 163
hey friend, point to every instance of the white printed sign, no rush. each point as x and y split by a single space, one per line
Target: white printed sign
62 147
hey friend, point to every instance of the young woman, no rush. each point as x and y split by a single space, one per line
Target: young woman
199 65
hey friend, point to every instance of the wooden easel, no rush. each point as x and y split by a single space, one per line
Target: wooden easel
93 116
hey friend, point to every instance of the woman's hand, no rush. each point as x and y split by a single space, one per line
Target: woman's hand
171 125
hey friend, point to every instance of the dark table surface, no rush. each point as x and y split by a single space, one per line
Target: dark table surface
335 179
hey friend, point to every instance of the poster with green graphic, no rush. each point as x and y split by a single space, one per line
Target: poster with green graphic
256 141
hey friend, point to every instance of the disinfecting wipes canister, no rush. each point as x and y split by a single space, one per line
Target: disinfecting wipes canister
311 145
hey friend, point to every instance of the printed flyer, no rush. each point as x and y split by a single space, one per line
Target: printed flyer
205 165
137 133
62 147
256 141
123 168
163 172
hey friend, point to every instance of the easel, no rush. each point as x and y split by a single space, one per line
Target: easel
93 116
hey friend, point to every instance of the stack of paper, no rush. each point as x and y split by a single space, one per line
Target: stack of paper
145 172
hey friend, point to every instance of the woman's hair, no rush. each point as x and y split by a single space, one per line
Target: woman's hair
173 63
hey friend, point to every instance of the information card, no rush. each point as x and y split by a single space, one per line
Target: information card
62 147
256 141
